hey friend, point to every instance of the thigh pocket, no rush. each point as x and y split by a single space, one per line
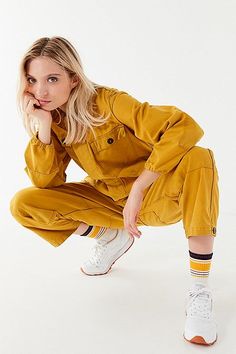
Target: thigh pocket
149 218
165 211
37 217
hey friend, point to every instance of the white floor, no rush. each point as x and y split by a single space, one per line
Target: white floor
48 306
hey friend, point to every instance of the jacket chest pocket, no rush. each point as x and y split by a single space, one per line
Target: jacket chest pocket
109 151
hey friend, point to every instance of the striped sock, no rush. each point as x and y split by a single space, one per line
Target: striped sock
97 231
200 265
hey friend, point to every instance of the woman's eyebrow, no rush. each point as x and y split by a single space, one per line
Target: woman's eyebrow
46 75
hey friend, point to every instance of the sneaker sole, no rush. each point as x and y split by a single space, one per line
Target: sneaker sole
111 264
199 340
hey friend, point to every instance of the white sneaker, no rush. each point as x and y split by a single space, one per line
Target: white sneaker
106 251
200 325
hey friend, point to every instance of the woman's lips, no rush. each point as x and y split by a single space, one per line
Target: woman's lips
43 102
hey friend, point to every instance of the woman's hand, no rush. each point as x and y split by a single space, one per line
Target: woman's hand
28 106
131 211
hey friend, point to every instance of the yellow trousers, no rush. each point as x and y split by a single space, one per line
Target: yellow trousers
189 193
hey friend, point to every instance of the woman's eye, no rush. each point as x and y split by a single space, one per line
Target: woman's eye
30 78
52 78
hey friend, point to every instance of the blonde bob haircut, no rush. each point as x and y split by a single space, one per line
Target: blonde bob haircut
81 113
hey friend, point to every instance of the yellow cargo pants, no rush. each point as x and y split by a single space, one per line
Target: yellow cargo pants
189 193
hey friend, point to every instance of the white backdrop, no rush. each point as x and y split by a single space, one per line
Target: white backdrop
166 52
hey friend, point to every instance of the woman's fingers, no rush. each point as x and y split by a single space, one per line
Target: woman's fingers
29 102
132 228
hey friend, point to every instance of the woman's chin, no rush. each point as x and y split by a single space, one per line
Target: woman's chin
47 109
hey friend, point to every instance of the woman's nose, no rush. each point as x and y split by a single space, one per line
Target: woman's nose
41 92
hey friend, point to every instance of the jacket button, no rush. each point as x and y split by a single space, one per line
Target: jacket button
110 141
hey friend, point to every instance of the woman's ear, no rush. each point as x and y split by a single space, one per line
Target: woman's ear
74 81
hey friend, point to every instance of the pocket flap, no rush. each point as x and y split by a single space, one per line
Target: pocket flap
108 139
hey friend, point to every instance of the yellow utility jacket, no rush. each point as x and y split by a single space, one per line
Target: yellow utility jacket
137 136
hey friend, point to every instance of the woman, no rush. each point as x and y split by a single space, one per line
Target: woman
142 163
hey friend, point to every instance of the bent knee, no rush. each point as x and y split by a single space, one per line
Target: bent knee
198 157
20 200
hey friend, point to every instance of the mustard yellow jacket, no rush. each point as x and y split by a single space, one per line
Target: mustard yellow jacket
137 136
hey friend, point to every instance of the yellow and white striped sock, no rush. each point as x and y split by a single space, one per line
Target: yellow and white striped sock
200 265
97 231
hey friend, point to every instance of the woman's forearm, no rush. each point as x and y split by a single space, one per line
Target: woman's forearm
44 133
145 179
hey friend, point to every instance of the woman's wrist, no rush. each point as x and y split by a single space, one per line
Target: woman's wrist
145 179
44 133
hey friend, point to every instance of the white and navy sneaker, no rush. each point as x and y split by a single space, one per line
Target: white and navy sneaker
200 325
106 251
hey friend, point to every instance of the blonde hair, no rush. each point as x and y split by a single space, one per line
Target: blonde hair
81 114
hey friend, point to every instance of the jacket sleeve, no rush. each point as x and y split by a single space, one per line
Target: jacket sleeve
169 131
46 163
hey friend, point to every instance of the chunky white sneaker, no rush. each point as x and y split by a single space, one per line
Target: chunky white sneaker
106 251
200 325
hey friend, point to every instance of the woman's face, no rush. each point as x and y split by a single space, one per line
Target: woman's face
47 81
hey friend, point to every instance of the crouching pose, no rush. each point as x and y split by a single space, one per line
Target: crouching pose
142 164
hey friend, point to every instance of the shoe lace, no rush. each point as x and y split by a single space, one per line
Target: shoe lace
200 303
97 252
99 249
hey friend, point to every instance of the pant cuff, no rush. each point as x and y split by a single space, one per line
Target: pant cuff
200 231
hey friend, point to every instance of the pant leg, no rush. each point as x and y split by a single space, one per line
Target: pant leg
55 213
188 193
200 195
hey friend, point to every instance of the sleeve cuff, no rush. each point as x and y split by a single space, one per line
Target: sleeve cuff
149 166
35 141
